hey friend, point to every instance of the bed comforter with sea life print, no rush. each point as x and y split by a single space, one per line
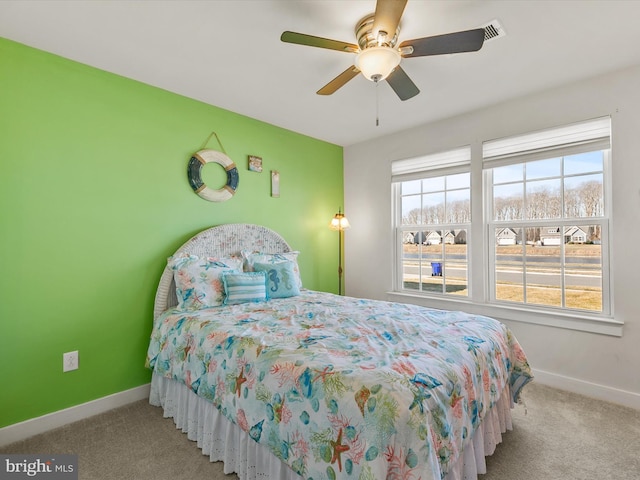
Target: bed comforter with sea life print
339 387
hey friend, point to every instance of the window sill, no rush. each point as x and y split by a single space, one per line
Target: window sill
569 320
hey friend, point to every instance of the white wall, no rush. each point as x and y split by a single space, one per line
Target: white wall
591 363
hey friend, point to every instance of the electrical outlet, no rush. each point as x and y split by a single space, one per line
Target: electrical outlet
69 361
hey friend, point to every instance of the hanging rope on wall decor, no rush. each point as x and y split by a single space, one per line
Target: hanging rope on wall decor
209 138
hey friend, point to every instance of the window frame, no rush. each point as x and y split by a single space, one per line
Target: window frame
490 223
441 164
481 261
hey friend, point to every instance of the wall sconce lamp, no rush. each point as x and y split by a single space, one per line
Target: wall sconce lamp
340 223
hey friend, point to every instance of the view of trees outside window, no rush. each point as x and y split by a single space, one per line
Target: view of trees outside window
436 215
548 217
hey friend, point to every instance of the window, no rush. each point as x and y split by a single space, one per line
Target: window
547 218
433 195
542 242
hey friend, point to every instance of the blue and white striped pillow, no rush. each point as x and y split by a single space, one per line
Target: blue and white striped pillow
244 287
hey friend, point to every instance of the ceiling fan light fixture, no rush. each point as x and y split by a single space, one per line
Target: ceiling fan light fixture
376 63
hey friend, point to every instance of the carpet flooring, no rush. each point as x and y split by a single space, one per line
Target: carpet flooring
557 436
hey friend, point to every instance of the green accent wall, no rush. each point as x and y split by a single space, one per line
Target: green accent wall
93 198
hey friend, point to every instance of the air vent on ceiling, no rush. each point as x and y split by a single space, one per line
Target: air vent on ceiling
493 30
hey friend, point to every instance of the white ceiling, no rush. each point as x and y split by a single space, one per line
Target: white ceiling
229 53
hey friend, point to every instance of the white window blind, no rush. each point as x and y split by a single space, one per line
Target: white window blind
575 138
412 168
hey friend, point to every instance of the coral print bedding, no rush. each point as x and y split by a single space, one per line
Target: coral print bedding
338 387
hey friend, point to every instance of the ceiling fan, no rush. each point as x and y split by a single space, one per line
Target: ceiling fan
377 56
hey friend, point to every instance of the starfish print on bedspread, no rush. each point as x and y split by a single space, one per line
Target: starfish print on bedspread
338 449
240 379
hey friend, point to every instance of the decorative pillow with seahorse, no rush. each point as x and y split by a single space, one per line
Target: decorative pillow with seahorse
281 278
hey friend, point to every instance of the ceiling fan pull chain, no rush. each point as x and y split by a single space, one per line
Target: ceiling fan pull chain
376 81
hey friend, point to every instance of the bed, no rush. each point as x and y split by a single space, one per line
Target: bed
291 383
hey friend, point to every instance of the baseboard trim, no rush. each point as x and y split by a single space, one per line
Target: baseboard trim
34 426
588 389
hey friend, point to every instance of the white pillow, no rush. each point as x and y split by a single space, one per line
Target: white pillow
199 280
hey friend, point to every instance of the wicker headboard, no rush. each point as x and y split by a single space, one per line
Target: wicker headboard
219 241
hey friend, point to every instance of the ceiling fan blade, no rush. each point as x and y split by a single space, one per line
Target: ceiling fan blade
339 81
459 42
387 16
402 84
311 41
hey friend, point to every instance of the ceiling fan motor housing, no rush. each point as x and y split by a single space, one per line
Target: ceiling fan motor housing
368 38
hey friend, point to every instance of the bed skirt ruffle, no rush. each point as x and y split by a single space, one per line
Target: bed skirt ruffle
224 441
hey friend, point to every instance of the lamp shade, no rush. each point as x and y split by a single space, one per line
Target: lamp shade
376 63
339 222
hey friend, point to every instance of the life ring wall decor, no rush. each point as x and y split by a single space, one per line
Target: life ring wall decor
194 171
